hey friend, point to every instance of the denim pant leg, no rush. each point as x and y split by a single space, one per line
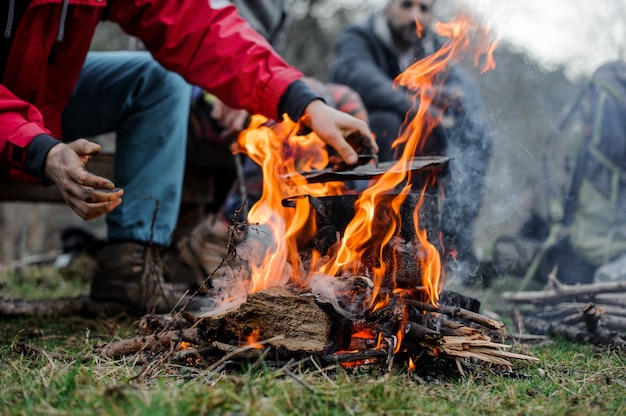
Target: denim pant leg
148 108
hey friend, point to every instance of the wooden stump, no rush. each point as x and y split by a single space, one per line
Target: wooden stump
298 320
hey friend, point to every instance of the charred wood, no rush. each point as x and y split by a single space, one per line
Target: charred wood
350 357
457 312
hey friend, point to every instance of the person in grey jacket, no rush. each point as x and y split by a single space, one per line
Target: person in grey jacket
369 56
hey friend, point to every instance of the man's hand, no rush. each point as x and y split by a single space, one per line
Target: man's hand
89 195
232 120
334 126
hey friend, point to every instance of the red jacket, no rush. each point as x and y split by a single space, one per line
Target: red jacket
190 37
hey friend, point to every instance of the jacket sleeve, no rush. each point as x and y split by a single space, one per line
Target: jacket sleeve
21 122
210 45
356 64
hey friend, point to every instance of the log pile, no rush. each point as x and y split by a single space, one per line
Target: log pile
590 313
279 326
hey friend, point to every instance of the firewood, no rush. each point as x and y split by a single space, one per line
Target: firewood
616 299
614 323
604 333
301 322
457 312
593 313
592 316
476 347
350 357
455 327
565 292
604 308
131 346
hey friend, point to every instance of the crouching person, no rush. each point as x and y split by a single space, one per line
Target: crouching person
52 97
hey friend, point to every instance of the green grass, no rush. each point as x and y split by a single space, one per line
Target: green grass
572 379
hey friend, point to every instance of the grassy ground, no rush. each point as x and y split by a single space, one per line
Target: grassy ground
64 376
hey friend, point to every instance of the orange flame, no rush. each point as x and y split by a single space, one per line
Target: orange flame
411 365
282 153
252 340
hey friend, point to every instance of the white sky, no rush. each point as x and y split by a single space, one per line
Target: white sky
578 34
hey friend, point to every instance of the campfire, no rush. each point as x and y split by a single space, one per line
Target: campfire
341 266
348 276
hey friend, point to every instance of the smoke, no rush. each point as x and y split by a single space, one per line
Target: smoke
350 296
231 283
229 290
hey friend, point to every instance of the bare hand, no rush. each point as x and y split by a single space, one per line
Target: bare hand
334 126
89 195
232 120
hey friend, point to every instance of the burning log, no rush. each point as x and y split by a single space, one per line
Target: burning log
300 322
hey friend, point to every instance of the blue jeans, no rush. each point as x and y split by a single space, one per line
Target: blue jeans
147 107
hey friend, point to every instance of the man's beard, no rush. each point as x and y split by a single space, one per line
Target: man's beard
405 36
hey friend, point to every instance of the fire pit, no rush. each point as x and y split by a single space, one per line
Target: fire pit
385 308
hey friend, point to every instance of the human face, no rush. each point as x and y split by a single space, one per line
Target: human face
401 16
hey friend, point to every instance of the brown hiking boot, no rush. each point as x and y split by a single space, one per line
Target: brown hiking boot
131 274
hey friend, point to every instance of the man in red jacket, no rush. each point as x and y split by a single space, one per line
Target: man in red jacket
54 92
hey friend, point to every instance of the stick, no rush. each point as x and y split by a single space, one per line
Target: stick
457 313
355 356
592 316
568 291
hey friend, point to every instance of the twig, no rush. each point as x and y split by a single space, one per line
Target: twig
587 291
299 380
243 349
457 313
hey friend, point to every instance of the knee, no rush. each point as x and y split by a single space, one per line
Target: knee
160 101
163 86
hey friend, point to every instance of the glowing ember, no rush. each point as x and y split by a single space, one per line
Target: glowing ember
252 340
411 365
